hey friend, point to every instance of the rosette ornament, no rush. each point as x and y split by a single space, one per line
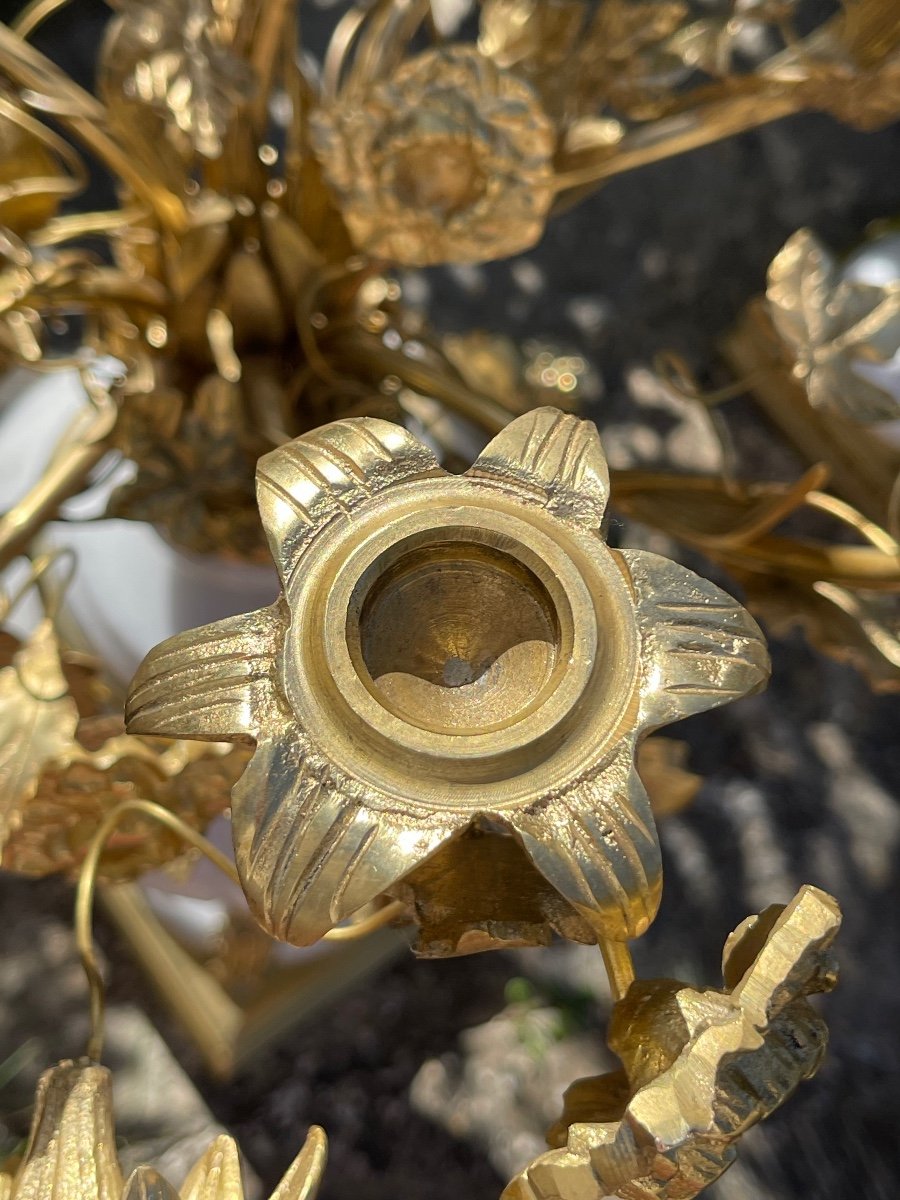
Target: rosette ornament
450 159
451 653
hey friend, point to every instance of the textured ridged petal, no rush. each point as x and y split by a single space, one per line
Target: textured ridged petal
217 1174
555 455
302 1178
212 683
147 1184
71 1153
309 854
789 956
597 845
700 647
329 473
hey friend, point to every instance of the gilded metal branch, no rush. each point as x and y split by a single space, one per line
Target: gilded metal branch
78 452
87 884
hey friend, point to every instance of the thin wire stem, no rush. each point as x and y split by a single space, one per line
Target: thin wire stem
358 929
87 887
40 565
678 134
848 515
35 14
76 455
65 185
45 87
673 369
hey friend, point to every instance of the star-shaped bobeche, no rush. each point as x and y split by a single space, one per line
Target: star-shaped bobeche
449 653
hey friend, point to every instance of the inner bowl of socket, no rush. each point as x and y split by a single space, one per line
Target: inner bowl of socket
455 647
455 636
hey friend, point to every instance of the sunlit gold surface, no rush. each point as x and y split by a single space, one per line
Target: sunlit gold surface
71 1153
447 700
449 652
700 1066
482 892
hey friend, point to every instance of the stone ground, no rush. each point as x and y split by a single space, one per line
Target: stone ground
436 1078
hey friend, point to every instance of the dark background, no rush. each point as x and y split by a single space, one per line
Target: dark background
800 783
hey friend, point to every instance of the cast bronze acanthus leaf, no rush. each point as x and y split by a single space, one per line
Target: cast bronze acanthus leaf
61 772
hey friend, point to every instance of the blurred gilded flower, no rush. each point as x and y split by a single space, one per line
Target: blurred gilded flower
449 160
528 32
71 1153
167 55
581 57
61 772
730 29
837 329
853 71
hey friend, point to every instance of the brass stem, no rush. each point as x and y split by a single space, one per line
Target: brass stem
358 929
87 886
65 185
40 565
619 967
76 225
880 538
673 370
482 410
678 134
381 41
345 34
87 118
268 37
35 14
65 476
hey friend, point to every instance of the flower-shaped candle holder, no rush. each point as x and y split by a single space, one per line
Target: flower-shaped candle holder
449 652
